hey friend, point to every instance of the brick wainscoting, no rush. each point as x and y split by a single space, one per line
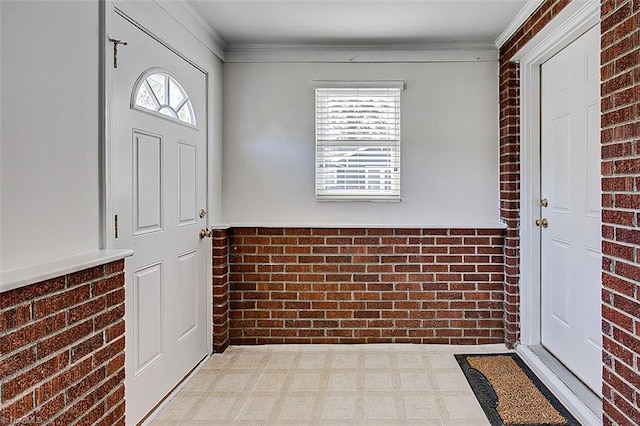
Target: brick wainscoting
62 350
620 73
317 285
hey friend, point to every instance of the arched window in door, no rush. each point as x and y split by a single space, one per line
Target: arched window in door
158 92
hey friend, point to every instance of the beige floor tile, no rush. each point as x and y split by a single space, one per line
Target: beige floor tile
376 360
451 380
328 384
215 408
410 360
406 347
281 360
336 422
271 381
463 407
378 381
421 406
416 380
345 360
230 381
304 381
425 422
200 383
342 381
443 360
339 407
297 408
248 361
257 407
380 406
313 360
180 407
465 422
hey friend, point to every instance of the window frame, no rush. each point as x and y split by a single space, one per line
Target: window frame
393 165
140 82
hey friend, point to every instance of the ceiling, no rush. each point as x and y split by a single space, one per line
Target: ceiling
358 21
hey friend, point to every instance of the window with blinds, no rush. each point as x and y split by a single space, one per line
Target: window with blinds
358 140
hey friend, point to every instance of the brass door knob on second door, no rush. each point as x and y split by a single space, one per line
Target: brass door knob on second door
542 222
206 232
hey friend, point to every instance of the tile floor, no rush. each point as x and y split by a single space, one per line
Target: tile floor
371 384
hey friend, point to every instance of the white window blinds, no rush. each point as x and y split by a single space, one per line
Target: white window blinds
358 140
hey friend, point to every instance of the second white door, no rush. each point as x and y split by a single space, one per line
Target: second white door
570 181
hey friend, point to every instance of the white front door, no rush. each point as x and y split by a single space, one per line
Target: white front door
570 181
158 188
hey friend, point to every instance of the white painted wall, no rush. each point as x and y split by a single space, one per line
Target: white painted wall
50 109
49 136
449 145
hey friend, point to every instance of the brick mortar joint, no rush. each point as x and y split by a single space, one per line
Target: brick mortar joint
66 369
70 365
65 289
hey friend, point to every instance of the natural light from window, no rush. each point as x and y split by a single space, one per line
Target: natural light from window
358 140
161 93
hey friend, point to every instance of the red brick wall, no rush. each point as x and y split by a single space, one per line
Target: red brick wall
510 158
220 290
620 73
62 350
366 285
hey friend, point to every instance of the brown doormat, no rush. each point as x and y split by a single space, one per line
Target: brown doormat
510 394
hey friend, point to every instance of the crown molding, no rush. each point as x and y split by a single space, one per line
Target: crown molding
190 19
362 52
572 21
527 10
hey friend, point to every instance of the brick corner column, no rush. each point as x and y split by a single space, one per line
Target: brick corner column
220 290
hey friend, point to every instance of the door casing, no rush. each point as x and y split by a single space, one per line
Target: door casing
576 19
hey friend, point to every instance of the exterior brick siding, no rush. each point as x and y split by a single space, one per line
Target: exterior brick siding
317 285
62 350
620 74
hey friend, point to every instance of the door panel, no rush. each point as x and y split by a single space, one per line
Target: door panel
147 182
148 308
594 177
560 297
561 164
187 302
159 186
187 186
570 180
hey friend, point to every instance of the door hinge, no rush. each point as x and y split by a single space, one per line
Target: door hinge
116 42
115 225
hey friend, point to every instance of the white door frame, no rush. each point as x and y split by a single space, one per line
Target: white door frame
576 19
166 38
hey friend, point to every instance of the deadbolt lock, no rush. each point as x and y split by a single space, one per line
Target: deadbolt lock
542 222
544 202
205 232
202 213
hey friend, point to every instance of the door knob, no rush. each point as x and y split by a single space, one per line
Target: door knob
205 232
542 222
